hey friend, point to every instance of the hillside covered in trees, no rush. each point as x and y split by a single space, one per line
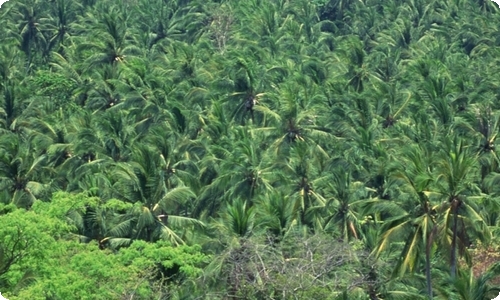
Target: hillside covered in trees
256 149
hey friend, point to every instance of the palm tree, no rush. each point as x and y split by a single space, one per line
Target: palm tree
243 170
458 210
10 108
249 82
109 137
396 100
343 210
20 171
388 65
269 30
301 180
414 220
73 72
298 118
32 38
86 159
9 61
105 92
276 213
167 21
57 27
180 156
56 143
468 286
335 11
110 44
142 182
402 33
436 90
482 124
240 218
358 74
239 263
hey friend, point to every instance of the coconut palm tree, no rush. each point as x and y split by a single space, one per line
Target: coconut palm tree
240 261
468 286
358 73
57 27
482 124
142 182
459 213
250 82
109 137
10 109
302 180
243 170
298 118
343 210
21 171
166 21
111 42
276 213
412 221
32 39
396 101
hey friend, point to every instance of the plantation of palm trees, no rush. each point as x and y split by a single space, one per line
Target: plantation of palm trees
257 149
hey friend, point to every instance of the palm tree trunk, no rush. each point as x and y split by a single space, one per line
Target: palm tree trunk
453 256
428 266
28 62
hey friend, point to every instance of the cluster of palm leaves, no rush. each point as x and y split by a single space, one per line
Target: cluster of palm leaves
372 122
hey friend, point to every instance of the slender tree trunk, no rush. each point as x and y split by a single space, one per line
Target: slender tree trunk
428 266
28 62
453 256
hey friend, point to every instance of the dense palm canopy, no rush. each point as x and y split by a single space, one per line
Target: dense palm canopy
244 126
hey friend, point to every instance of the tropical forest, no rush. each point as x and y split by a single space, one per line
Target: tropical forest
249 149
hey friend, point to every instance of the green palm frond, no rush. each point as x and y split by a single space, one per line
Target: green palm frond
182 222
116 243
176 195
169 235
122 228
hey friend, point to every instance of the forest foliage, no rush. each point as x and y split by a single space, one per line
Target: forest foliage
257 149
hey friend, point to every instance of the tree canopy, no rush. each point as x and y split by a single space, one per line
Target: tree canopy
277 149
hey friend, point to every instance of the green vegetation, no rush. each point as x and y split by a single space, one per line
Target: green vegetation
278 149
